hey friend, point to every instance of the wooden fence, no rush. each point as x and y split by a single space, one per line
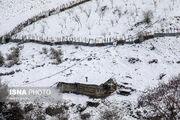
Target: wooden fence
99 41
84 41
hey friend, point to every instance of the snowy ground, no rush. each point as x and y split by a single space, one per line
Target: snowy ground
93 19
13 12
107 62
101 18
97 63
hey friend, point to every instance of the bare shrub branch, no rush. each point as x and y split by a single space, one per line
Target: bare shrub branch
148 15
13 57
162 102
57 55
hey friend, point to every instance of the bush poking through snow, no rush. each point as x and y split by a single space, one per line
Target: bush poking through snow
28 108
53 54
62 116
60 111
1 59
163 102
153 61
85 116
11 111
37 114
13 57
57 55
133 60
109 115
148 15
44 51
14 54
52 111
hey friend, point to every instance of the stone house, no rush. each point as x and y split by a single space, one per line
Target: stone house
94 91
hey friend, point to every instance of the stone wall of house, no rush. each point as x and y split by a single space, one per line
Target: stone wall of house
94 91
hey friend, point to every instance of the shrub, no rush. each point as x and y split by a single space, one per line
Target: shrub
109 115
44 50
133 60
81 108
59 111
64 116
14 54
1 59
13 57
153 61
147 16
11 111
52 111
85 116
163 102
36 114
28 108
56 55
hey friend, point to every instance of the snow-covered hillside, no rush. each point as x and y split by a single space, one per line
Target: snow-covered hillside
101 64
104 18
138 66
13 12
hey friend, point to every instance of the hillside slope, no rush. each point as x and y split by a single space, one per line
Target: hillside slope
101 18
16 12
100 64
138 66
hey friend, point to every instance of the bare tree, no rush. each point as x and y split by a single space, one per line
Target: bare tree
148 15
